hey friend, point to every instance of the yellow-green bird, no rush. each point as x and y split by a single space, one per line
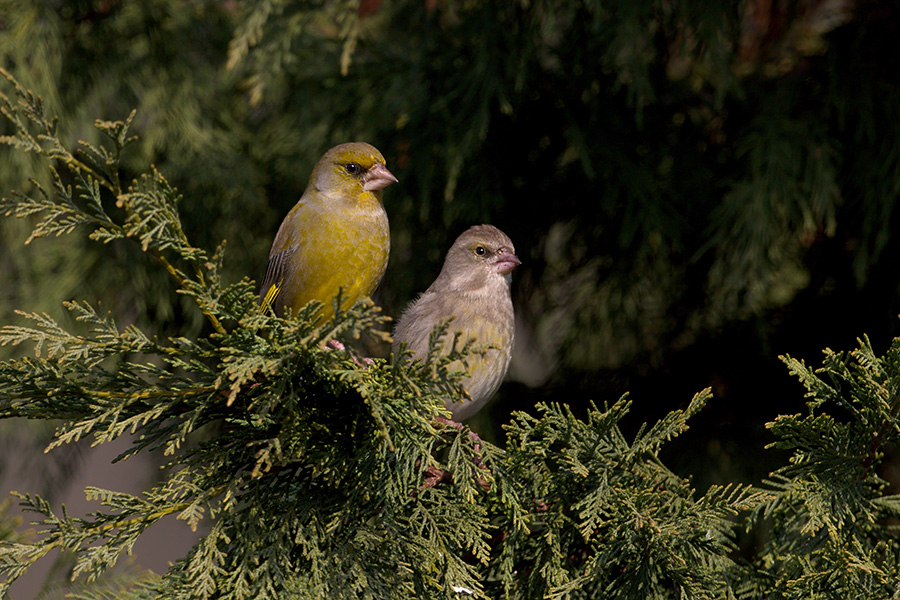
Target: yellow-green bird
335 238
473 288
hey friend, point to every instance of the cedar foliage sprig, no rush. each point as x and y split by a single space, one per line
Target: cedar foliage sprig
833 520
607 519
150 204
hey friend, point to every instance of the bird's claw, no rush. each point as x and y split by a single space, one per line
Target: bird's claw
366 361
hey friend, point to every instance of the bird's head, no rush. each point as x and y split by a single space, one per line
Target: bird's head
481 258
350 170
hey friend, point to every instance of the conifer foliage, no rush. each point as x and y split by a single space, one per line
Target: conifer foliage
313 475
318 476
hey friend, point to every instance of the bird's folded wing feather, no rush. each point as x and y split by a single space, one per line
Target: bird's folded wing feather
274 279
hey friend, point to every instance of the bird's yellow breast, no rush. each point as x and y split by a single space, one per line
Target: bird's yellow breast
335 245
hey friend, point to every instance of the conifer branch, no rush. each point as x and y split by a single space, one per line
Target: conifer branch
184 283
150 206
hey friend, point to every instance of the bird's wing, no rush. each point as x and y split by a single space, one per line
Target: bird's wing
274 279
419 319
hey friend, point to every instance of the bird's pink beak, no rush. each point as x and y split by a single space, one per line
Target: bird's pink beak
505 261
377 178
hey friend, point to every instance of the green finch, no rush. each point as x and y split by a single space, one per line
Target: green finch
473 290
336 237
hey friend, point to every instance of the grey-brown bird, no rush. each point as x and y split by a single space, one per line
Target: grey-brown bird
473 288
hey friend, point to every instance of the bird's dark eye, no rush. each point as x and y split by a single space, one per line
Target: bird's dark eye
479 250
352 168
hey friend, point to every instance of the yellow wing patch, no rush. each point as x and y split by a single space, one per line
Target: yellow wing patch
268 300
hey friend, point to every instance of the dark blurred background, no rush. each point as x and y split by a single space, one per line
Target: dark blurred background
695 187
